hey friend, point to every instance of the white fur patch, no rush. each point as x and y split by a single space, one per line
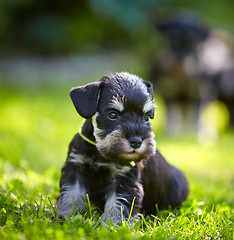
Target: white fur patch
72 197
117 103
147 142
114 201
115 137
149 105
96 130
76 158
110 202
114 168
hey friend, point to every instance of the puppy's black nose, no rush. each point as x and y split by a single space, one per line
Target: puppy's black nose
135 141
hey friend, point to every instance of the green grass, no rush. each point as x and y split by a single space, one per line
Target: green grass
36 125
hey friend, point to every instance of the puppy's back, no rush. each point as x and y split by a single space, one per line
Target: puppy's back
164 185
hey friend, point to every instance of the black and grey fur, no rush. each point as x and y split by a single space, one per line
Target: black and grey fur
118 109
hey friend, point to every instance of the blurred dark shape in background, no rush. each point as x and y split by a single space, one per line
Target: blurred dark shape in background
194 67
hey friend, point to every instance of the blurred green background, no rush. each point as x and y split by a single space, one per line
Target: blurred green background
67 27
47 47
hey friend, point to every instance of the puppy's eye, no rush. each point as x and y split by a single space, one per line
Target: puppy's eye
147 118
112 115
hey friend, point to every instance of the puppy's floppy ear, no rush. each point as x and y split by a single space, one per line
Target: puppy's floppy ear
149 88
86 98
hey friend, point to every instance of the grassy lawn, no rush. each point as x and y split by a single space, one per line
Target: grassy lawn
36 124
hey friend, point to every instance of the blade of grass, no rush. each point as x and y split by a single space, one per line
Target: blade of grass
38 205
73 206
130 214
89 205
121 210
54 209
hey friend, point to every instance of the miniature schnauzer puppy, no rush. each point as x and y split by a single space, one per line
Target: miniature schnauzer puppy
114 158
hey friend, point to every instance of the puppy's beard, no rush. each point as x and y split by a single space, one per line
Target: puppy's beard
115 147
147 148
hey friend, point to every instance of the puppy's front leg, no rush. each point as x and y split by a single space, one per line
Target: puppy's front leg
72 192
125 194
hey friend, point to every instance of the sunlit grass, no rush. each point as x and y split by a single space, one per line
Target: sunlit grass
36 125
34 122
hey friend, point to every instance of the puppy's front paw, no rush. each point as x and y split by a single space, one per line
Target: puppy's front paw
114 216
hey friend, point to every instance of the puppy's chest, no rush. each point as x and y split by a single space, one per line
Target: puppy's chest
99 176
97 165
98 172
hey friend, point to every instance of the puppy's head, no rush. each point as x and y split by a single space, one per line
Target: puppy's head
120 106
